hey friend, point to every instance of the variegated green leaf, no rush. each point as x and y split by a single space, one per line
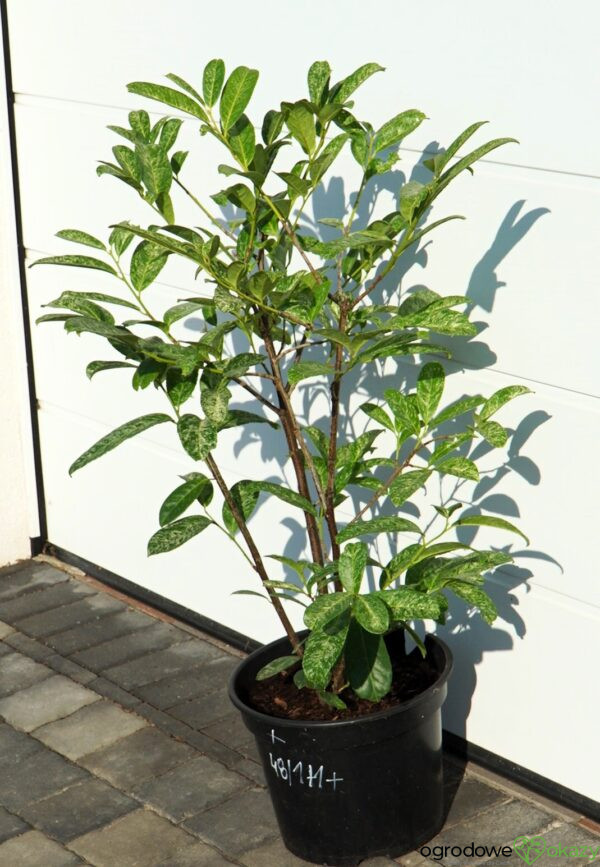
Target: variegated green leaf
282 663
389 524
326 609
499 398
352 563
406 485
236 95
118 436
430 386
461 467
196 487
198 437
368 665
176 534
372 613
489 521
321 652
212 81
76 261
79 237
477 597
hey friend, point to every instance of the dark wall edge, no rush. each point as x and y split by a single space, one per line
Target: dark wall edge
459 747
35 433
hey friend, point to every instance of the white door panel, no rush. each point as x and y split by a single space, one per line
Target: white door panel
527 257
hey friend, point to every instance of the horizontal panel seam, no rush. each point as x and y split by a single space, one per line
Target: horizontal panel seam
174 113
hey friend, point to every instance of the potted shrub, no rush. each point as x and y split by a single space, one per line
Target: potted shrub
347 712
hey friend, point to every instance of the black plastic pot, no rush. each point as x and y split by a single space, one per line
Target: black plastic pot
350 790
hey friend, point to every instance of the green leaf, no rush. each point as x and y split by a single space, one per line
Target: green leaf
100 296
95 367
198 437
469 159
307 369
120 239
457 408
174 535
196 487
444 157
287 495
461 467
406 485
318 80
272 126
342 91
245 496
82 324
179 311
499 398
301 123
352 563
168 96
368 665
321 652
389 524
156 172
399 563
325 609
241 363
215 402
76 262
477 597
242 141
331 699
177 161
493 433
327 156
282 663
392 132
80 238
489 521
169 133
212 81
378 414
430 386
236 95
184 85
405 603
412 194
118 436
437 572
236 417
147 262
405 410
372 613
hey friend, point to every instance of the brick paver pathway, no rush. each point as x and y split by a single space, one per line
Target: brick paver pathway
119 747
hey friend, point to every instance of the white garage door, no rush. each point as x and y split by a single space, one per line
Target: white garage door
528 257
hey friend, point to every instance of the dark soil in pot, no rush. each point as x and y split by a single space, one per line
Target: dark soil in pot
356 787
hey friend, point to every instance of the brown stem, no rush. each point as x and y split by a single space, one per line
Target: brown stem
331 458
257 395
258 563
287 421
386 485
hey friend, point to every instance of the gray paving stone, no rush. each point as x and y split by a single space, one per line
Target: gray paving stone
5 649
252 771
98 631
78 810
29 646
162 663
10 825
69 668
380 861
140 839
199 681
45 599
565 846
221 825
53 698
146 754
274 854
494 827
120 650
67 616
29 577
39 775
201 712
5 629
19 672
232 732
189 788
89 729
199 855
110 690
15 746
35 850
471 797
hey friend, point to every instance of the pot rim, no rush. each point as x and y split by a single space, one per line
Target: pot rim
402 707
